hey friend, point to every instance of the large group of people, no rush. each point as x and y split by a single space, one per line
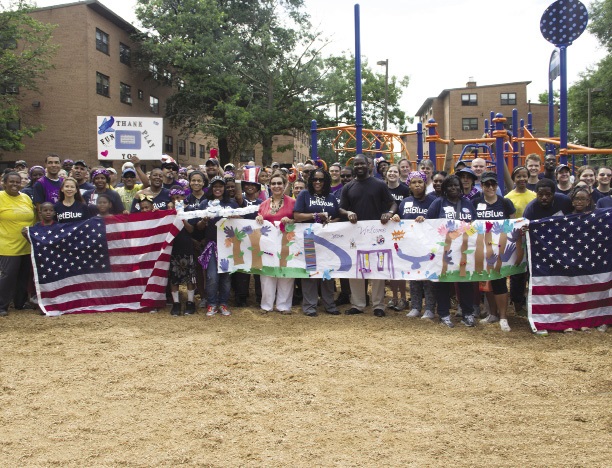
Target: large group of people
368 189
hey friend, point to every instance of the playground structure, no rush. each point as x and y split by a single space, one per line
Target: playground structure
501 148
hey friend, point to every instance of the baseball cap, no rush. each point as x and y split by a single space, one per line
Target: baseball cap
561 166
81 163
128 170
467 170
212 161
487 176
21 162
170 164
216 179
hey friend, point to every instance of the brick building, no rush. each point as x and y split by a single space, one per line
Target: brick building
460 112
95 75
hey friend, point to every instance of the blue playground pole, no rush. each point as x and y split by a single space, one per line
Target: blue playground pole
563 102
522 134
432 144
358 112
551 115
419 141
314 152
486 126
515 145
499 152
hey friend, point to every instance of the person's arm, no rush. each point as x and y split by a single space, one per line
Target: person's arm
385 217
141 174
239 198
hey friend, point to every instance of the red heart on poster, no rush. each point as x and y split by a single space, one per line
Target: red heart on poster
104 153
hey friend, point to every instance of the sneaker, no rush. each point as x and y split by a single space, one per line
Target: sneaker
176 309
413 313
585 329
447 321
569 330
224 310
459 312
491 319
211 310
429 315
401 305
34 299
3 313
602 328
503 324
469 321
541 333
379 313
477 311
391 304
189 308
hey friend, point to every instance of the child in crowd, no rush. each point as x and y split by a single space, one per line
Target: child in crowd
145 203
46 214
104 204
182 263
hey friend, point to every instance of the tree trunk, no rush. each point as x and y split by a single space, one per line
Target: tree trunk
224 154
266 143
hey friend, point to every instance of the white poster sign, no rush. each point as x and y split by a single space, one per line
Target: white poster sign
121 138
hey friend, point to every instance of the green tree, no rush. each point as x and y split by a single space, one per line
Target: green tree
25 55
599 80
543 97
245 70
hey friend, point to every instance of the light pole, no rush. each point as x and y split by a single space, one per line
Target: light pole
386 64
591 90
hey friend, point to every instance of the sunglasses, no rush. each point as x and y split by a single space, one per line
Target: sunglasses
346 176
318 179
489 183
276 183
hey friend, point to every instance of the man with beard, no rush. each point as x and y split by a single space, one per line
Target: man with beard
550 164
169 174
80 173
367 198
47 188
547 203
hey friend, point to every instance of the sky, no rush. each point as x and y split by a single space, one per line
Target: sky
441 44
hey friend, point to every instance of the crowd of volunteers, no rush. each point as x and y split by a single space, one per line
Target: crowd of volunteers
369 189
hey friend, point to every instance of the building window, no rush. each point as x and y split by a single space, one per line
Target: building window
508 123
168 144
125 54
140 94
154 104
181 147
192 153
102 84
102 41
153 71
469 99
508 99
125 93
202 151
469 124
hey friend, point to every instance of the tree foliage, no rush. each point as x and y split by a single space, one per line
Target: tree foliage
599 80
252 69
25 54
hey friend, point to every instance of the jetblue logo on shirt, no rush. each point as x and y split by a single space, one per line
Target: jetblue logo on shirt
320 202
414 210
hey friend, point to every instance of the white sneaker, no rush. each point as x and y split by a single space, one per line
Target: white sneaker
568 330
202 304
503 324
391 304
212 310
447 321
413 313
602 328
491 319
429 315
224 310
541 333
34 299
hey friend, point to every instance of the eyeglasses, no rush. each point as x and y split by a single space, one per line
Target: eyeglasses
276 183
318 179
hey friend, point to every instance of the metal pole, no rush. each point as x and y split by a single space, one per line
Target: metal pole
358 111
314 152
563 104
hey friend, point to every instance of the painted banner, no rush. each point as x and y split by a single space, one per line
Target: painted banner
121 138
438 250
570 260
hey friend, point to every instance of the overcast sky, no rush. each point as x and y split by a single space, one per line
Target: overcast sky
440 44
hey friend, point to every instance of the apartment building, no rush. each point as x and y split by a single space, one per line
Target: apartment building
461 112
95 75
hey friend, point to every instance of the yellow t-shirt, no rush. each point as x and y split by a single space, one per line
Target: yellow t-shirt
15 214
520 200
127 196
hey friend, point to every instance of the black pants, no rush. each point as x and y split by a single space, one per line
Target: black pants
14 275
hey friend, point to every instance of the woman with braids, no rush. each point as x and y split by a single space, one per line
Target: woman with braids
452 206
317 205
101 181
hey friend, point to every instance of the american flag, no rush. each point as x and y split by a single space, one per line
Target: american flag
113 264
570 260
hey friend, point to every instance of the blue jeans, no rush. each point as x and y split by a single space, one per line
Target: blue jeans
466 297
217 284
